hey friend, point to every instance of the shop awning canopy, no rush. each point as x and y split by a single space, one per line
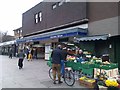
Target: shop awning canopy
55 34
8 43
93 38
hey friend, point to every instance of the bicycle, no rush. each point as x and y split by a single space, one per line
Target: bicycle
68 78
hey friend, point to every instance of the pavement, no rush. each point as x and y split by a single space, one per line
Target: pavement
33 75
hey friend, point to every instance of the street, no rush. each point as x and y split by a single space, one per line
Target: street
33 75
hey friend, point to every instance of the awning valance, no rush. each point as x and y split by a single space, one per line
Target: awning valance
55 34
93 38
8 43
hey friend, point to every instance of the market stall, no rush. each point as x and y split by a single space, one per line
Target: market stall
90 68
95 68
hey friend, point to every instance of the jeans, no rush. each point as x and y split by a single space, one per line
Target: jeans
62 67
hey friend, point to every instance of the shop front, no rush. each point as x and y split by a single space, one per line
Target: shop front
50 40
6 46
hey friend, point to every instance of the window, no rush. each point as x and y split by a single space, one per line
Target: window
40 16
21 30
54 6
36 18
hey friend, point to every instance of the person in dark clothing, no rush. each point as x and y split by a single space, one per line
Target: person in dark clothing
26 52
64 56
56 63
21 56
35 53
10 53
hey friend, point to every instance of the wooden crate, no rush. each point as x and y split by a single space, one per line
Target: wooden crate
86 84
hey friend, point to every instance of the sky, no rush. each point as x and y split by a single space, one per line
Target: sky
11 13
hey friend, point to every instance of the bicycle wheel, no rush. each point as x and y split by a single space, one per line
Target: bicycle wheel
69 78
51 74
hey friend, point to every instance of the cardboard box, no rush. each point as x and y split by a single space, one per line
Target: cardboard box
110 73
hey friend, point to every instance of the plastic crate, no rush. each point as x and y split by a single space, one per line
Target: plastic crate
88 65
77 66
89 71
49 63
69 63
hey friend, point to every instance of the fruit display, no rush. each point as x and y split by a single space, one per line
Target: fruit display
70 58
87 79
111 82
87 82
106 62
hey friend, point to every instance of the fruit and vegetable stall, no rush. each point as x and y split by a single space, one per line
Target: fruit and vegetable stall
94 68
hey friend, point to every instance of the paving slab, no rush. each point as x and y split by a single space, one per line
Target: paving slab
33 75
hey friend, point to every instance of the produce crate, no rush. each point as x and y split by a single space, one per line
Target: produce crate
108 66
77 66
96 65
69 63
49 63
87 65
89 71
86 84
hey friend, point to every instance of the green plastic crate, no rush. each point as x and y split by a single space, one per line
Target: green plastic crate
89 71
87 65
49 63
77 66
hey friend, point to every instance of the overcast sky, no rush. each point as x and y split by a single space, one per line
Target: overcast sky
11 13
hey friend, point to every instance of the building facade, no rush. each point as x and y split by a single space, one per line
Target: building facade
18 33
95 24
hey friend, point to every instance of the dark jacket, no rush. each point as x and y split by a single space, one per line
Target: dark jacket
56 56
21 55
64 54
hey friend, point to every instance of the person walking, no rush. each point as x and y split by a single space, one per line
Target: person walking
21 56
30 55
56 63
10 53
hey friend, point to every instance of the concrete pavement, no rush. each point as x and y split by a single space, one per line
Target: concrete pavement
33 75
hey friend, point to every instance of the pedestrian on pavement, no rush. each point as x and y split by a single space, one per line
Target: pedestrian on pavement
35 53
10 53
30 55
21 56
56 63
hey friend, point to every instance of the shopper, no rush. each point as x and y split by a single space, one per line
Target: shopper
27 52
10 53
30 56
64 56
35 53
56 63
21 56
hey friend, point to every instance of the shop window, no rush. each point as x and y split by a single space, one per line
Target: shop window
37 42
63 39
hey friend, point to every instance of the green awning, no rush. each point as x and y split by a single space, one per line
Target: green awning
93 38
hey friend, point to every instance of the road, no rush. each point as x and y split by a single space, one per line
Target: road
33 75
